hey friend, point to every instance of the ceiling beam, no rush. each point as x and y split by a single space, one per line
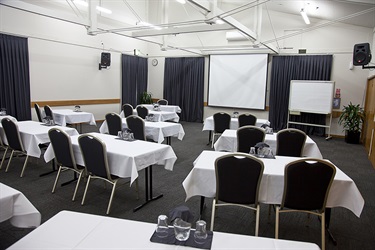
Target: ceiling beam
182 30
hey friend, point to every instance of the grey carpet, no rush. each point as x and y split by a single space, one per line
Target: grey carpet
350 232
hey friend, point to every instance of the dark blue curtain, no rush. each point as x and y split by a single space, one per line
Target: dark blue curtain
15 77
285 69
184 86
134 78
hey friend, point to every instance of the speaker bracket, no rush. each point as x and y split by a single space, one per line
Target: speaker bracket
102 67
368 67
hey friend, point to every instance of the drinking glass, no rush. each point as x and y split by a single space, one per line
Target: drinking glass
162 227
200 234
252 150
181 229
119 134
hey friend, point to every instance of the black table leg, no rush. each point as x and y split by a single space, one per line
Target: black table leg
169 141
148 186
50 172
209 137
201 207
328 220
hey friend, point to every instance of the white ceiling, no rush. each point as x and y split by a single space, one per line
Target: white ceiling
197 16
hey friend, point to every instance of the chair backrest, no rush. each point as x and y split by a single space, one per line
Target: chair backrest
246 119
290 142
114 123
62 147
248 136
37 110
162 102
137 125
307 183
12 134
94 153
128 109
221 122
238 178
48 111
142 111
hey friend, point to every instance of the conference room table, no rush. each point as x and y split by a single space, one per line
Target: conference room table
14 206
155 131
228 142
201 181
127 158
209 123
68 116
72 231
159 116
170 108
33 134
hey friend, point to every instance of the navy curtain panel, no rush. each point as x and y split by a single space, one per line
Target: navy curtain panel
285 69
15 77
134 78
184 86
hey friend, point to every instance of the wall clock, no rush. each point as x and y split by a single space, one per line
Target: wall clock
154 62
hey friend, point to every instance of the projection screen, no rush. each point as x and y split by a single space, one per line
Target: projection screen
238 81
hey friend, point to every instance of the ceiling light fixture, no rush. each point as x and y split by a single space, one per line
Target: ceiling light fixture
82 3
304 16
219 21
101 9
150 25
181 1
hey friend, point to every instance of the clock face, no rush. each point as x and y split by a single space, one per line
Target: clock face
154 62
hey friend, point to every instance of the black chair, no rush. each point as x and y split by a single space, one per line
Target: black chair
238 177
306 186
221 123
4 147
62 147
48 111
38 113
128 109
114 123
14 141
162 102
248 136
94 153
246 119
137 125
142 111
290 142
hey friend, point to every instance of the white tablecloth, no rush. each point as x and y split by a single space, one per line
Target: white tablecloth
201 181
71 230
34 133
64 116
126 158
228 142
159 116
209 123
156 131
170 108
16 207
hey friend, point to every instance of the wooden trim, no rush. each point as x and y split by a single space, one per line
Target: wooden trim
76 102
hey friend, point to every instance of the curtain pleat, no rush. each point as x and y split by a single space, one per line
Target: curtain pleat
15 77
134 78
285 69
184 86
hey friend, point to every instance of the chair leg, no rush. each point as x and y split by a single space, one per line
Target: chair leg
2 161
24 166
76 189
10 159
213 214
277 222
57 178
323 231
137 188
257 221
111 198
87 187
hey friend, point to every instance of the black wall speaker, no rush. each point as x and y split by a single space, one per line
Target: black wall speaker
361 54
105 60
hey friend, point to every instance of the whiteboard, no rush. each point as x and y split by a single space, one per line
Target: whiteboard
238 81
311 96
